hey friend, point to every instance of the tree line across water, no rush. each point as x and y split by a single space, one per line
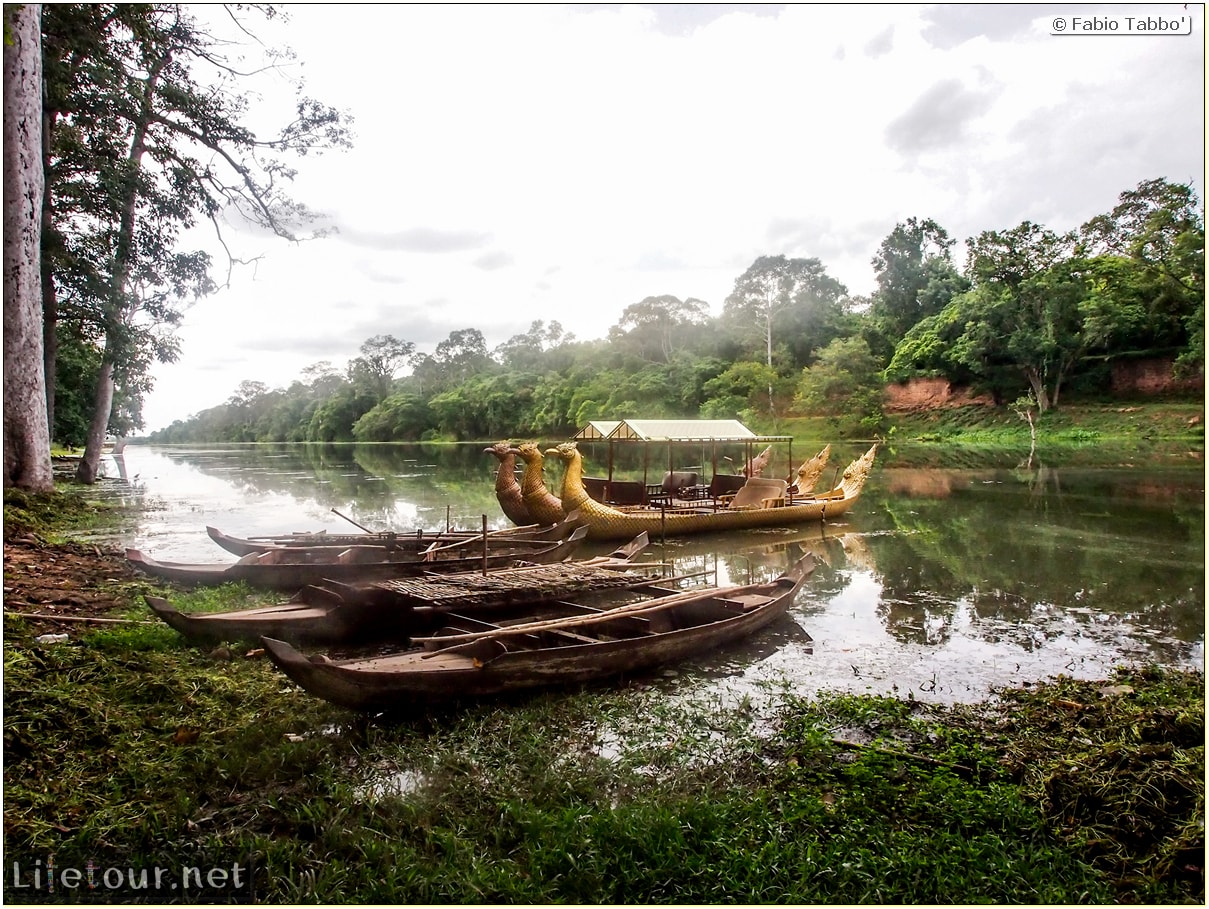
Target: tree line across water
132 132
1032 314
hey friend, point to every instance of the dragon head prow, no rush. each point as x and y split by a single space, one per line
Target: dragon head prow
530 452
500 449
565 451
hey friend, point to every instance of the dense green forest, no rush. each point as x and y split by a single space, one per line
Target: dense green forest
1033 315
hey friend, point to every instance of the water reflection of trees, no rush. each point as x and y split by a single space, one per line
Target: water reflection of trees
379 484
1014 547
751 557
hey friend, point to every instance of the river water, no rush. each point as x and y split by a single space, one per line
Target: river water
942 581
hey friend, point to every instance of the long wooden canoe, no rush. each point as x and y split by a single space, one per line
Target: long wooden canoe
774 508
334 613
286 569
416 542
474 657
315 615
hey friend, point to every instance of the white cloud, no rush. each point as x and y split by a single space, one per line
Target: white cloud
562 162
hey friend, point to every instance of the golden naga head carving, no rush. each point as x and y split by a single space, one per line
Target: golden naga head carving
810 471
530 452
858 471
567 451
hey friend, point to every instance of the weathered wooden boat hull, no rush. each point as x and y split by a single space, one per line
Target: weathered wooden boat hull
608 523
401 542
695 623
285 570
334 613
315 616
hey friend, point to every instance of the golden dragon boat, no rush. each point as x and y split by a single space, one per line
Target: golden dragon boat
758 502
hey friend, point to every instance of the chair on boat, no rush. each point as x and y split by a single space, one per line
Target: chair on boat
625 492
676 484
759 492
725 484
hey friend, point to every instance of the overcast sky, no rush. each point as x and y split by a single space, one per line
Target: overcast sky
514 163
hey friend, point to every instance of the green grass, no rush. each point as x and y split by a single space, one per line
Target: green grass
55 515
1072 424
149 756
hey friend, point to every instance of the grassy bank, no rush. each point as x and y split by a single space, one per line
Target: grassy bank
1116 422
129 749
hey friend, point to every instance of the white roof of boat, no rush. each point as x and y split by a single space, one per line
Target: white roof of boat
598 429
679 431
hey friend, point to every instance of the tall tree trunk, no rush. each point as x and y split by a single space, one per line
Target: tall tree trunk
1037 384
50 301
118 279
90 463
768 339
26 434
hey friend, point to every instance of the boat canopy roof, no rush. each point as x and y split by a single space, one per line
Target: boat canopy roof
673 431
597 429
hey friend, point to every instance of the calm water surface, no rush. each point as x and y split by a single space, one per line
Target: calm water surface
942 581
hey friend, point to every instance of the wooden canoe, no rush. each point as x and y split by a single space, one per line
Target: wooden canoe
775 509
287 569
416 542
472 657
333 613
315 615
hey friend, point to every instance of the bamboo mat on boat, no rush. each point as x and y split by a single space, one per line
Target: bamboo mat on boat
561 579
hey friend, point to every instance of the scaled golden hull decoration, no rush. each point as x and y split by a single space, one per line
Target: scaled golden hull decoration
808 474
507 489
544 507
755 467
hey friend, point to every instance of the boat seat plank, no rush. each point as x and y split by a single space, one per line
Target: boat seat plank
657 590
572 636
286 611
746 602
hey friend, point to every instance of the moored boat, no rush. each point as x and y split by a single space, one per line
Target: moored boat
471 657
417 542
316 614
334 613
759 502
287 569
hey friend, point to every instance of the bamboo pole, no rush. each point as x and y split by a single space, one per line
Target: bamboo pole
351 521
78 618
